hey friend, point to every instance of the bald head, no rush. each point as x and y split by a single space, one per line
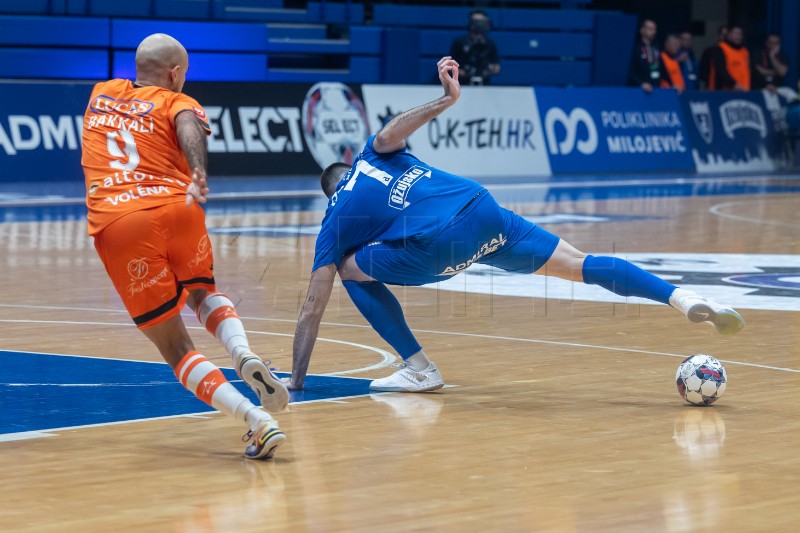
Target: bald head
162 61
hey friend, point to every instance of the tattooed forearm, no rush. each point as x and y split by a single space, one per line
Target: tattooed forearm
192 139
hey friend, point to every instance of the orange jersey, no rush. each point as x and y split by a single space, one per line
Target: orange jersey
131 156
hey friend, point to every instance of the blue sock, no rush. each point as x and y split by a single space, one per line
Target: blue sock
625 279
382 310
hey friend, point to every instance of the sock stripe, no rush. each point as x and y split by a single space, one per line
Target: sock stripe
186 359
187 370
217 316
209 384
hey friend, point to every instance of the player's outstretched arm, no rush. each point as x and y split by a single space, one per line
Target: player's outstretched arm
392 137
319 292
192 140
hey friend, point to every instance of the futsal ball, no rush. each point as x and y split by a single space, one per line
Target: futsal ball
701 379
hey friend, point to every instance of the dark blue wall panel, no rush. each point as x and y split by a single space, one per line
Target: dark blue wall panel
121 8
613 36
208 36
53 64
182 9
205 66
54 31
24 6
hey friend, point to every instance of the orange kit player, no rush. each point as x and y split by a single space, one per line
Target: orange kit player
144 158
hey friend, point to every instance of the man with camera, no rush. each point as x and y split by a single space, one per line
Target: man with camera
475 52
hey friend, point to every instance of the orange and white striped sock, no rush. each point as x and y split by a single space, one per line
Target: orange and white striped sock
217 314
206 381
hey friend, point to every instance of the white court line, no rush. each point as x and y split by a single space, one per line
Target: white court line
386 357
439 332
717 210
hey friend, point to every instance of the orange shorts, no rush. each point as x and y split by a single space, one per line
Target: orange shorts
154 256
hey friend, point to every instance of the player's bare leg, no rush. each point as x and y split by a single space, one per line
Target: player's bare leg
216 313
382 310
203 379
623 278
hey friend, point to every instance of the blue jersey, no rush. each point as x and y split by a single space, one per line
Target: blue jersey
387 197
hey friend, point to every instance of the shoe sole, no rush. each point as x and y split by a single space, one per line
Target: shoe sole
274 439
433 387
726 322
272 393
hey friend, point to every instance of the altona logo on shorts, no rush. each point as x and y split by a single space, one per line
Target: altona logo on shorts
137 268
486 249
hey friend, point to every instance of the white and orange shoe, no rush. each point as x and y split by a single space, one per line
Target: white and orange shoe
272 393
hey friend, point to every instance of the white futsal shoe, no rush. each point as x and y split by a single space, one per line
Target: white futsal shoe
409 380
698 309
272 393
263 440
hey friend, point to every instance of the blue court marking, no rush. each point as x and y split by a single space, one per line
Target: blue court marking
42 391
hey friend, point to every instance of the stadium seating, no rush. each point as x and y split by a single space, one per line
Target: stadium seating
261 40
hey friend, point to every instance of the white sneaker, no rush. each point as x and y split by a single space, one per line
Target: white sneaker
409 380
698 309
272 393
264 440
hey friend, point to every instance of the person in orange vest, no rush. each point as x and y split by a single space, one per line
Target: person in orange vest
671 75
730 64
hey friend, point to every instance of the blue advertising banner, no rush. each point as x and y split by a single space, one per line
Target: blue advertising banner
736 132
613 130
40 130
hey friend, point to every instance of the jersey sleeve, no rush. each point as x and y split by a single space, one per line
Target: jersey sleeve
184 103
325 252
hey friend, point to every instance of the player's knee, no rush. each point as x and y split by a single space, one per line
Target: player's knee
196 297
349 270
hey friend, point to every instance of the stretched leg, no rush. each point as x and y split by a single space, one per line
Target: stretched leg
382 310
203 379
626 279
216 313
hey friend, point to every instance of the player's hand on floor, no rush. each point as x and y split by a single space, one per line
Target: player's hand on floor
197 191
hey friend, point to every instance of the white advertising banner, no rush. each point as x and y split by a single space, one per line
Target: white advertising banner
490 131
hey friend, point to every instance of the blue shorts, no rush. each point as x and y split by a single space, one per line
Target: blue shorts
483 232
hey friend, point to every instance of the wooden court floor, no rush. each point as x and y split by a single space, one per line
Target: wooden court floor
562 414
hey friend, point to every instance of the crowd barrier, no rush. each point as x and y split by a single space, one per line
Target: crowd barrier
296 129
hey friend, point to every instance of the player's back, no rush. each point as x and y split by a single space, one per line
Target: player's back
389 197
131 156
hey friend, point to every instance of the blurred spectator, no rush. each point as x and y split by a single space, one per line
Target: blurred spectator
671 75
645 69
688 61
769 65
730 64
705 59
475 52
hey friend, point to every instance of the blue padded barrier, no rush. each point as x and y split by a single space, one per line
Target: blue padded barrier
297 31
508 19
117 8
205 66
39 7
182 9
75 7
525 72
544 19
515 44
20 30
365 40
268 11
536 72
336 13
207 36
424 16
305 46
362 69
53 63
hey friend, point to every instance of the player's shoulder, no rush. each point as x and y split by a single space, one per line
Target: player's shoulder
114 86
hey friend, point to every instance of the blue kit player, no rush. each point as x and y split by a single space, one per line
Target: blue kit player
393 219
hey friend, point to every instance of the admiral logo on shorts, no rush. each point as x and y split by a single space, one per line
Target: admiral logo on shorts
486 249
401 187
137 268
